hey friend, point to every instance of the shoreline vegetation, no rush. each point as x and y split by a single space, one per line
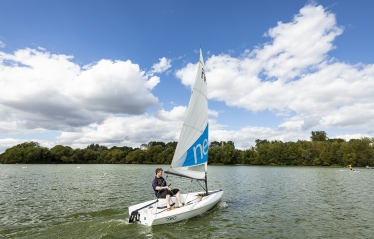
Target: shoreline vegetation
320 151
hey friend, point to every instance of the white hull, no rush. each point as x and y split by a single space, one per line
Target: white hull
194 206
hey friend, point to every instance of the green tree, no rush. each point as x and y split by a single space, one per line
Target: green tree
62 154
136 156
318 136
263 153
153 152
90 156
27 152
111 156
78 156
229 153
216 155
125 151
96 147
166 156
366 158
248 156
293 154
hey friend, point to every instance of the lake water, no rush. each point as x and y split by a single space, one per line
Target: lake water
91 201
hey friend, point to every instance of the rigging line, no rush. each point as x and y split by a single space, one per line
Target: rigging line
195 121
181 175
188 125
192 107
193 127
200 92
200 185
187 192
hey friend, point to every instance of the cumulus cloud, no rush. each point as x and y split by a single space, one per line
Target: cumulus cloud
7 143
187 74
177 113
246 137
162 66
130 131
293 77
40 90
114 87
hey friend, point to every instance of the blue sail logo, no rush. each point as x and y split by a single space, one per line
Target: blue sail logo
198 152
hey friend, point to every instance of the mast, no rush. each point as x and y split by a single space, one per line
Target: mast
206 164
206 184
206 177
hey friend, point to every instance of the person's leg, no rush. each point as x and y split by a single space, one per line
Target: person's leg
167 201
178 196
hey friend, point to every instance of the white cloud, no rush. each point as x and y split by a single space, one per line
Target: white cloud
152 82
40 90
113 87
299 44
187 74
348 137
294 77
2 44
129 131
7 143
213 113
246 137
162 66
177 113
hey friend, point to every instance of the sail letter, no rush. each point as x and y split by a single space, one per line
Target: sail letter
203 74
205 146
198 152
203 150
194 152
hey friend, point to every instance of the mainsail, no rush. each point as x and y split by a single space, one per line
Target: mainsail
191 153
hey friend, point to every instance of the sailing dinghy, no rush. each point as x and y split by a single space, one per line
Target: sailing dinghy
190 161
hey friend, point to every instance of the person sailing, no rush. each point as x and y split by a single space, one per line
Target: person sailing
164 191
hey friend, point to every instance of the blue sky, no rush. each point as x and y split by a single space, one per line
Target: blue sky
120 72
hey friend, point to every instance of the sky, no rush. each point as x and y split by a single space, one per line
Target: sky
119 73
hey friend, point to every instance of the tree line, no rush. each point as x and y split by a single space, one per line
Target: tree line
319 151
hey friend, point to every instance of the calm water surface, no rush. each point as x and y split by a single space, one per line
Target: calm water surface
91 201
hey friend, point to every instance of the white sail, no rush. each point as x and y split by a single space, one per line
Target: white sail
192 148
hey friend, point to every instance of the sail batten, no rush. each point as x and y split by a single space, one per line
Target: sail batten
193 127
192 147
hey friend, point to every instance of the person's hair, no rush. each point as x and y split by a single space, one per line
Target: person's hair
158 170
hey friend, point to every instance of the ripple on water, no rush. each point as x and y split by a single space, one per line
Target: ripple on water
59 201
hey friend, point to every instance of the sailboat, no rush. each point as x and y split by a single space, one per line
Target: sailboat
190 161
